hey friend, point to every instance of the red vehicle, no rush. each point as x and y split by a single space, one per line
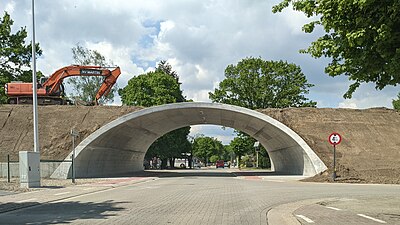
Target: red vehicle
219 164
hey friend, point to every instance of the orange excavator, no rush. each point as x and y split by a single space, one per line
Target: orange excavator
50 90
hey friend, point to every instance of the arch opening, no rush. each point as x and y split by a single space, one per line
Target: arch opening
120 146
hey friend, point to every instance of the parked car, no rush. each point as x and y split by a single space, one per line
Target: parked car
219 164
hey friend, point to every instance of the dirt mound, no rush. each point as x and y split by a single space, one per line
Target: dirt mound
55 124
369 151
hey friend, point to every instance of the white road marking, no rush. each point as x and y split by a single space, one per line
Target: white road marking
63 193
279 181
329 207
371 218
142 188
308 220
27 200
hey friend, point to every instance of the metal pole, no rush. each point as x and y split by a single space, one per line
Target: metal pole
36 147
73 158
8 168
257 159
334 162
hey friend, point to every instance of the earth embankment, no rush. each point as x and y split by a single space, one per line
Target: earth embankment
55 124
369 151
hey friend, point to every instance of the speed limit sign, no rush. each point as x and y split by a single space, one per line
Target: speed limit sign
335 139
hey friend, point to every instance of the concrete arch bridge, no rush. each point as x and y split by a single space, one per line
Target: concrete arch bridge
120 146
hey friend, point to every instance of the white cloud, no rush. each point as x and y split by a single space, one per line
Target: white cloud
349 103
224 135
198 38
120 57
10 7
368 97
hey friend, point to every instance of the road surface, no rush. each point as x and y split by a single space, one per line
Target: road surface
220 196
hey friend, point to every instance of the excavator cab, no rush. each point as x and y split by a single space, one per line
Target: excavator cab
43 80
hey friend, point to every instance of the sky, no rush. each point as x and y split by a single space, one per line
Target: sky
198 38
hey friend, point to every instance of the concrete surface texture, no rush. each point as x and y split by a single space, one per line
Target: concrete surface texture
120 146
369 151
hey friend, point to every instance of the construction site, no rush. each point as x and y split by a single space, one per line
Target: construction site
368 153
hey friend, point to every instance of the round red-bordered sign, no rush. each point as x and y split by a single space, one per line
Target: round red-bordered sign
335 138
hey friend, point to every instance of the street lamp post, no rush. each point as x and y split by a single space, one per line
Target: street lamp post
29 161
34 85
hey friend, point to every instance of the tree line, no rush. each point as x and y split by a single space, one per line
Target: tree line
362 40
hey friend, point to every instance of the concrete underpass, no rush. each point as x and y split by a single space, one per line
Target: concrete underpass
114 139
119 147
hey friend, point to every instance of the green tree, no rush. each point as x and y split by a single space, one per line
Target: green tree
170 146
257 84
15 55
86 87
242 145
362 38
152 88
208 149
166 68
157 88
396 102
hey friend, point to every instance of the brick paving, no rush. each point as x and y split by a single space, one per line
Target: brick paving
191 199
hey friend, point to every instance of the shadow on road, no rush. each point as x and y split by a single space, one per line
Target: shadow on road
201 173
58 212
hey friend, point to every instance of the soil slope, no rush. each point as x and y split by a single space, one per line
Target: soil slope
369 152
55 124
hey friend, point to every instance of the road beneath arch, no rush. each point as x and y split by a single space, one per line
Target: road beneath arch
206 196
119 147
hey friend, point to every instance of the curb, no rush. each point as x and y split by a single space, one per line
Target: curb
283 214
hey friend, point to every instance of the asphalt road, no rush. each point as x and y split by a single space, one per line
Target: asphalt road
206 197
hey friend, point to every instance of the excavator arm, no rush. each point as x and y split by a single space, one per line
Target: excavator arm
52 85
107 85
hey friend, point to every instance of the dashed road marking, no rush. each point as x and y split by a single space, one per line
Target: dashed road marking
63 193
27 200
308 220
330 207
371 218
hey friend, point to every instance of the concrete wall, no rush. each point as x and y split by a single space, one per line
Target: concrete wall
120 146
46 169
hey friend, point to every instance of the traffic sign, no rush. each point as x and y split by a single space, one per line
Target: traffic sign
334 138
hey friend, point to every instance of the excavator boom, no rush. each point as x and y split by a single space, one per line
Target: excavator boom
51 89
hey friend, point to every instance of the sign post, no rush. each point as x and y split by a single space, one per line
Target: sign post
257 148
334 139
74 134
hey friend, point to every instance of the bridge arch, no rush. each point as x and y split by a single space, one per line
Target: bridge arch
119 146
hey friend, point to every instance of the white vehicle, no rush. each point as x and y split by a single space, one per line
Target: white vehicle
181 163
